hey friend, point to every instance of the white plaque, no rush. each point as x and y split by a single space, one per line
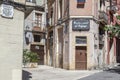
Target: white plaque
7 11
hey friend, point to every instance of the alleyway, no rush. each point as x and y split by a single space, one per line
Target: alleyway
49 73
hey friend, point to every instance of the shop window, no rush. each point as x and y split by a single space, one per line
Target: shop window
81 40
37 38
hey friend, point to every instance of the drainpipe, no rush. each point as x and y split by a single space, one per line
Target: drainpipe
110 11
108 43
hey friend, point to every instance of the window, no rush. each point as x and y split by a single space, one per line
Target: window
50 38
29 0
32 1
38 19
37 38
80 3
81 40
60 2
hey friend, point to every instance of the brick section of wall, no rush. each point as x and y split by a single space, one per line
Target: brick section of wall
85 11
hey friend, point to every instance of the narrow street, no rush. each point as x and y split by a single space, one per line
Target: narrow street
49 73
110 74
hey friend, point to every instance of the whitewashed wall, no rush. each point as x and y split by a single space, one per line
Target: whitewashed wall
11 46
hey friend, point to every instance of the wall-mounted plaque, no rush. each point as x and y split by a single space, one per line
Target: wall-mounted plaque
81 24
7 11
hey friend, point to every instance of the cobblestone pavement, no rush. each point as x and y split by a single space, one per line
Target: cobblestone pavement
110 74
49 73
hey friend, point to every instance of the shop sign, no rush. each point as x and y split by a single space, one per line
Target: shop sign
7 11
80 24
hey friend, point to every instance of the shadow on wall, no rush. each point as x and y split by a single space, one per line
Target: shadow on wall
26 75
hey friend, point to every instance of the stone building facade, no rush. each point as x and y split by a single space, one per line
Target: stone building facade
73 32
109 47
11 39
35 28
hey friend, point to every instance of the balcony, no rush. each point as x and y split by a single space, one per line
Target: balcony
38 35
38 29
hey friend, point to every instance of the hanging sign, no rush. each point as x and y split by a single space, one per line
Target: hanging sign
7 11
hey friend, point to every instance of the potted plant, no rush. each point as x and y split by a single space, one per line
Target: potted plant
30 59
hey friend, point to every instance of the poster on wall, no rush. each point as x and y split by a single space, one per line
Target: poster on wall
7 11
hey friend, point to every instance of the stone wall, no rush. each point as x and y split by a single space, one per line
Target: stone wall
11 46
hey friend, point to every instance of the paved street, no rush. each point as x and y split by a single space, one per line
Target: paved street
103 76
49 73
111 74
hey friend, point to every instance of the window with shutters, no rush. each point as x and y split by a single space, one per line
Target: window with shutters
38 19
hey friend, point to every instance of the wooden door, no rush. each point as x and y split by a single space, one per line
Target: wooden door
81 58
60 47
39 49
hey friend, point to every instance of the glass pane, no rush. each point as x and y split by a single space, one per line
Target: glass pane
81 40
